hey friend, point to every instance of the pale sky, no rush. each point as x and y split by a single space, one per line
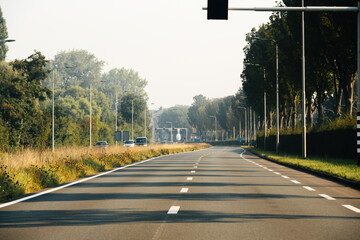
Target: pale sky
168 42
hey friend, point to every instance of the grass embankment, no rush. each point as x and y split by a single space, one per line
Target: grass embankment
341 168
32 170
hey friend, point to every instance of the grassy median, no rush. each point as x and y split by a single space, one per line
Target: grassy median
32 170
341 168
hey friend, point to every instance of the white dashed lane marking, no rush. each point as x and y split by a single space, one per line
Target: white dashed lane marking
173 210
352 208
184 190
308 188
192 172
189 178
327 197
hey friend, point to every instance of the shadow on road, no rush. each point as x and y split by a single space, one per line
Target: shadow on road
26 219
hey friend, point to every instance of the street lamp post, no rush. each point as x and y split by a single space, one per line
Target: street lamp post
265 126
145 121
215 127
53 111
245 127
90 115
277 88
171 136
132 119
116 112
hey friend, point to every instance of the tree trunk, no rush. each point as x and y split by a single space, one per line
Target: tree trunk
271 118
294 114
349 97
21 128
338 95
310 112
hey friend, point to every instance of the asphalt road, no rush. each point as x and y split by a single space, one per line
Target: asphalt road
217 193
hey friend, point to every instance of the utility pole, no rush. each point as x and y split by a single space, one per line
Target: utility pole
90 116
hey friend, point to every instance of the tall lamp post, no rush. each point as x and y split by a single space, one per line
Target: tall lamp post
145 121
277 88
132 119
171 136
265 126
90 116
215 127
245 130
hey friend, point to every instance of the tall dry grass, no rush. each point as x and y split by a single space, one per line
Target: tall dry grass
32 170
29 157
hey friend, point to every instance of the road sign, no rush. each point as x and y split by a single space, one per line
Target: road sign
117 135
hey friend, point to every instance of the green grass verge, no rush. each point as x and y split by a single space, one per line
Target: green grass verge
15 183
341 168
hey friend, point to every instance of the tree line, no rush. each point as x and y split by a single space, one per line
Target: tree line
330 42
26 99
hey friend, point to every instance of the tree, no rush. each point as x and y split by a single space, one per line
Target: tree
139 108
3 37
76 68
177 115
21 92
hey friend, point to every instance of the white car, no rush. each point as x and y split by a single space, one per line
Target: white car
129 143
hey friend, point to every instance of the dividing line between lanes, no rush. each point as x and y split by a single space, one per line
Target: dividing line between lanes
352 208
173 210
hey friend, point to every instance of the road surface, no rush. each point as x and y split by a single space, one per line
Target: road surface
217 193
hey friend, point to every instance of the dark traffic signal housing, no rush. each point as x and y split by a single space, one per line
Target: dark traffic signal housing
217 9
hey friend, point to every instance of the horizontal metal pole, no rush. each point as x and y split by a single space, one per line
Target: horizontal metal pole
305 9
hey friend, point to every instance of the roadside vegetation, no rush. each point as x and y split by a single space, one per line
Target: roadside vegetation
337 167
32 170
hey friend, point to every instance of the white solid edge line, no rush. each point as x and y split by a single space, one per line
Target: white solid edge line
327 197
352 208
308 188
85 179
184 190
173 210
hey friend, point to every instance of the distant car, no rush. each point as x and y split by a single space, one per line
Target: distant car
129 143
141 141
102 144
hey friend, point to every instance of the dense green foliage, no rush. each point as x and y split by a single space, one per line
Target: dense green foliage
3 37
177 115
26 104
228 111
330 41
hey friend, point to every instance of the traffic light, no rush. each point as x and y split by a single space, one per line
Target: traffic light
217 9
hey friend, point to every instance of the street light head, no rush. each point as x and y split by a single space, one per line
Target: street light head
9 40
263 39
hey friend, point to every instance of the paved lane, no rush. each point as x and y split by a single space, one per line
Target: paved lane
218 193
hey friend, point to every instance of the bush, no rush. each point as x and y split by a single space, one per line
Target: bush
334 139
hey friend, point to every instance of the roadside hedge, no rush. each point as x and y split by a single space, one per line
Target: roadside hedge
337 143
